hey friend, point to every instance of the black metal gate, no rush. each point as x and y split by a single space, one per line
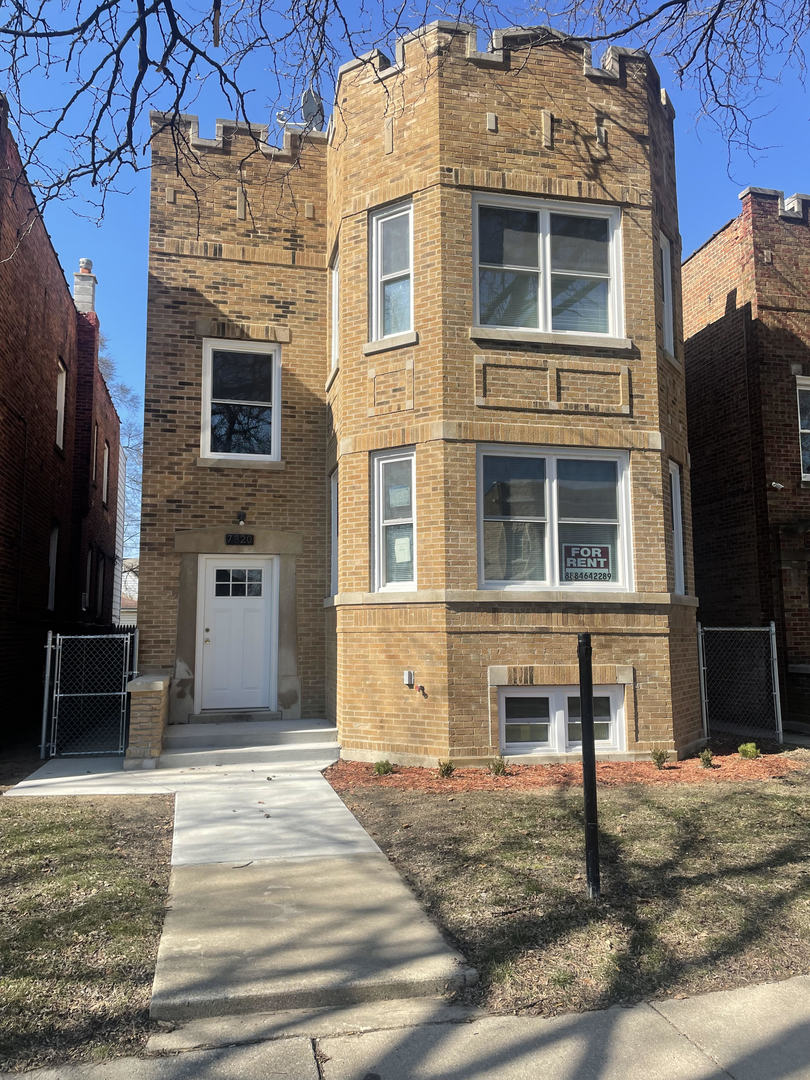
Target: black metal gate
85 706
739 681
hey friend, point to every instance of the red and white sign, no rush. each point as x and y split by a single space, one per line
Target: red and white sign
587 562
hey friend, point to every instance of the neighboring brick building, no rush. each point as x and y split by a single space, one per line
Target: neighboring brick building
463 305
747 330
52 401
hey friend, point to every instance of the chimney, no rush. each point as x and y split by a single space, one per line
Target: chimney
84 287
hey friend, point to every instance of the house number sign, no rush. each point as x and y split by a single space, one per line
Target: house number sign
239 539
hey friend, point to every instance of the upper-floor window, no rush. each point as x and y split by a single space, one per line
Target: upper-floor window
241 414
53 552
61 386
334 274
394 506
544 266
105 473
334 531
803 392
676 518
668 315
94 459
391 259
553 518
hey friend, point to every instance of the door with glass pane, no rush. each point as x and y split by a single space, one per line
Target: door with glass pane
236 653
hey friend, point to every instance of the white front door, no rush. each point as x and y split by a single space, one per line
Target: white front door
236 629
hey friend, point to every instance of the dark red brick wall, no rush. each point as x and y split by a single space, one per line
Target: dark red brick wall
38 327
752 541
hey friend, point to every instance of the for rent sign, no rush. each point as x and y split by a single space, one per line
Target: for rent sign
587 562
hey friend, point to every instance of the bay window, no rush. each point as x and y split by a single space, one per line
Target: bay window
544 266
553 518
394 507
391 258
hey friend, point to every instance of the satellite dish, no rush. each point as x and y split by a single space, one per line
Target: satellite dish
312 109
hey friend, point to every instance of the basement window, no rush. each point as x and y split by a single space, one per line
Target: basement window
548 719
241 415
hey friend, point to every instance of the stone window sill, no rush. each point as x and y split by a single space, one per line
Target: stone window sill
395 341
240 463
540 337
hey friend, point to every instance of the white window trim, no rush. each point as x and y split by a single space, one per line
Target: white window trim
802 383
210 345
546 207
105 473
379 459
558 719
334 276
95 451
61 393
334 532
376 221
667 310
53 556
624 553
677 528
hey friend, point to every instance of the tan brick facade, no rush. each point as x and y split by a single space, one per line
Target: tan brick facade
441 128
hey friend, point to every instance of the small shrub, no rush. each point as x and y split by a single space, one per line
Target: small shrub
446 768
659 758
749 750
561 978
706 758
497 766
383 768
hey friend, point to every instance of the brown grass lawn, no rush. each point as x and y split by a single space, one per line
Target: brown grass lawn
704 886
83 885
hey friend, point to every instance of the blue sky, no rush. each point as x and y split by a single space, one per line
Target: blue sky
708 186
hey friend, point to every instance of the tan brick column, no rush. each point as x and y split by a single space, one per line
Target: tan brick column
149 710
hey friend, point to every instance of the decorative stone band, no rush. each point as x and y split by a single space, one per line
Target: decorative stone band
558 675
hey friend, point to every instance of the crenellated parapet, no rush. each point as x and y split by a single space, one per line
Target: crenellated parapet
793 208
498 54
293 135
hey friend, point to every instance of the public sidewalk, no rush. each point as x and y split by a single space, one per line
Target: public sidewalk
293 950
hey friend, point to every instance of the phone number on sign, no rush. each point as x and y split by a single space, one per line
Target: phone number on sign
587 575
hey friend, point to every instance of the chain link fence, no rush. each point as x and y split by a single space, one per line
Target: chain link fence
85 706
739 681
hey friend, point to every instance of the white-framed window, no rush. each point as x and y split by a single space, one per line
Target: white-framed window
335 522
61 388
94 458
677 525
553 518
547 266
390 263
334 289
394 508
241 406
548 719
803 395
105 473
100 585
668 313
53 553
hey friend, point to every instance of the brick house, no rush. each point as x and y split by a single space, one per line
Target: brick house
59 438
432 361
747 331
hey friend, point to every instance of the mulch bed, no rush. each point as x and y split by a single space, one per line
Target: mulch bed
348 775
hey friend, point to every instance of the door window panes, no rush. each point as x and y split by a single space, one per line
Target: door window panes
237 581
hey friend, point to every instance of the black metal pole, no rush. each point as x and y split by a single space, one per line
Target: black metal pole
584 653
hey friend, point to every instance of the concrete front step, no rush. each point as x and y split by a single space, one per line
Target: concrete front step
242 733
231 716
319 753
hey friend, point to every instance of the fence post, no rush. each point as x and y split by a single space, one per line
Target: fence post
45 696
584 653
777 705
704 705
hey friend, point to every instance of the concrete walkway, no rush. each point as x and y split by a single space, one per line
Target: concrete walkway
279 900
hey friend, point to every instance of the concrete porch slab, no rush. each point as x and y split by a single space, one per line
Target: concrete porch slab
296 934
